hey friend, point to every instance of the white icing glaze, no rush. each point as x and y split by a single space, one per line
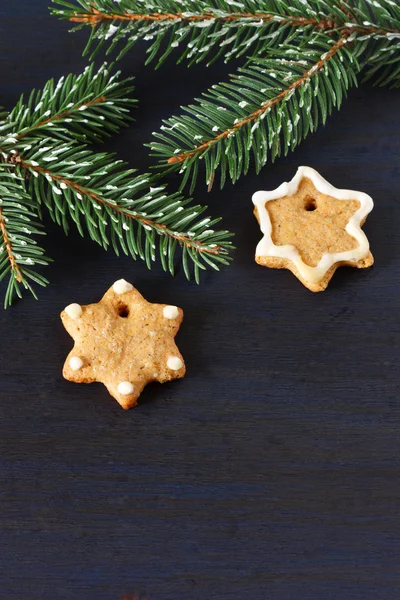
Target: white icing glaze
266 246
174 363
74 310
122 287
75 363
125 388
170 312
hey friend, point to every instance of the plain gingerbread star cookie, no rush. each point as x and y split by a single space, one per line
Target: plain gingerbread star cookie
124 342
312 228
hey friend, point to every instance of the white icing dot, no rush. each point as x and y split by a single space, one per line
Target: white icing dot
170 312
122 287
74 310
174 363
125 388
75 363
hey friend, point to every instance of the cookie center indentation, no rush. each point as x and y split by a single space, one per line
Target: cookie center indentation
315 234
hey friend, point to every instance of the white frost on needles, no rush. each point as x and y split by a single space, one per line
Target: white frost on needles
111 31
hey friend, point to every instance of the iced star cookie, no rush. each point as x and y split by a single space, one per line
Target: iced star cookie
124 342
312 228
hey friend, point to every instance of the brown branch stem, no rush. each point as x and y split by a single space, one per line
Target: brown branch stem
9 249
96 17
179 158
62 115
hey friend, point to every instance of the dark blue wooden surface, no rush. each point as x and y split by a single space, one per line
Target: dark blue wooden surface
271 472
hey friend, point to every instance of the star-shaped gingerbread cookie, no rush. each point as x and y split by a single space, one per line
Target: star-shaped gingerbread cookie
124 342
312 228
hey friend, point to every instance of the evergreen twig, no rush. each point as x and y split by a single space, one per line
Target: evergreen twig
300 59
265 110
207 29
111 202
19 251
45 165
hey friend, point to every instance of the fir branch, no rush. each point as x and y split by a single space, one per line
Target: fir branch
19 251
90 106
208 29
273 102
382 61
267 109
40 142
383 68
118 208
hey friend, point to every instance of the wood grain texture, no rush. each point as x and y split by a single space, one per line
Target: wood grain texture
271 472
